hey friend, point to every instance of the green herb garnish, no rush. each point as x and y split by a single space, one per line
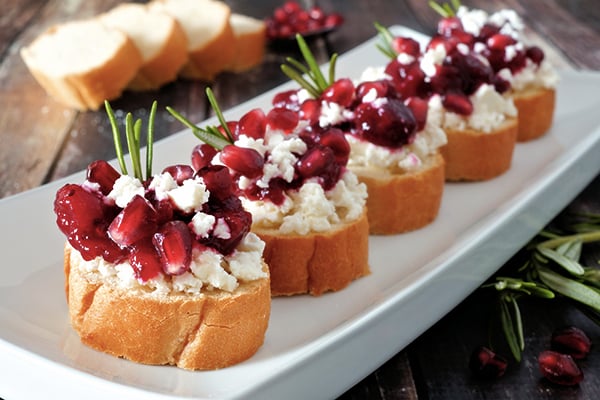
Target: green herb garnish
552 269
133 134
386 41
209 134
446 10
310 76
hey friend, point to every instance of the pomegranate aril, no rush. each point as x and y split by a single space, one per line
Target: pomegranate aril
243 160
500 41
179 172
458 103
137 221
202 155
145 260
310 111
173 242
238 220
340 92
448 25
315 161
419 108
335 139
103 174
485 363
252 124
333 20
535 54
408 79
382 88
164 211
572 341
287 99
406 45
390 124
282 119
218 182
487 31
559 368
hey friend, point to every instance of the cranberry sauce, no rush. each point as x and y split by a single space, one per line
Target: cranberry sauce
155 235
319 154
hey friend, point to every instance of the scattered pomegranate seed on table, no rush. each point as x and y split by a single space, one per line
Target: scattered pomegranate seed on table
559 368
485 363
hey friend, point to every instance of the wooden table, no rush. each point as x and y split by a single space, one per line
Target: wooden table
42 140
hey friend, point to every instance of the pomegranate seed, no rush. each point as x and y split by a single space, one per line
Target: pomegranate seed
287 99
310 111
238 220
218 182
291 7
333 20
315 161
487 31
572 341
174 245
500 84
145 261
335 139
164 211
559 368
282 119
382 88
500 41
280 16
419 108
179 172
202 155
458 103
408 80
103 174
449 42
317 14
231 125
484 363
340 92
135 222
245 161
535 54
253 124
406 45
448 25
391 124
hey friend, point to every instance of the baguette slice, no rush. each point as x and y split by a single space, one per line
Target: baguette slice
472 155
159 38
250 41
211 43
82 63
317 262
535 106
196 332
401 202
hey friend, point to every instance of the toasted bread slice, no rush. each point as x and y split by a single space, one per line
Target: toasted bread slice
535 106
250 41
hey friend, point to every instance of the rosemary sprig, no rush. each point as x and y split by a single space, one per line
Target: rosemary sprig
553 269
208 134
309 76
386 39
445 9
133 131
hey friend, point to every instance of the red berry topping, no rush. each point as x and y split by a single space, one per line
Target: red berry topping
340 92
447 26
174 245
137 221
218 182
500 41
252 124
535 54
406 45
282 119
458 103
291 18
572 341
103 174
382 88
419 108
408 79
389 124
559 368
287 99
335 139
202 155
245 161
310 111
180 172
145 261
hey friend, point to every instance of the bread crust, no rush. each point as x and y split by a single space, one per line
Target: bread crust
89 89
249 45
402 202
477 156
535 106
196 332
317 262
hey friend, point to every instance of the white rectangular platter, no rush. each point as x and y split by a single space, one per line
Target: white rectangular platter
314 347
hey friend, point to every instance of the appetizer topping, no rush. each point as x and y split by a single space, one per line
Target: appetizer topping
291 18
153 224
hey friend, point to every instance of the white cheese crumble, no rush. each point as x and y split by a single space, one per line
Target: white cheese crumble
125 188
190 196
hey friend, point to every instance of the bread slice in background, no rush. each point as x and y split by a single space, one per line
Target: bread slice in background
535 107
82 63
250 41
159 38
211 43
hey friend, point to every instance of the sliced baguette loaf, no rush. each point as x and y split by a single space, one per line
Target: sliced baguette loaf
535 107
82 63
206 23
159 38
473 155
402 202
210 330
316 262
250 41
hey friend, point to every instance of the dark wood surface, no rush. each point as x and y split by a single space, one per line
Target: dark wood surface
41 140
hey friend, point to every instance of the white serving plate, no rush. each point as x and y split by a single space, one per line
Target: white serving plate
315 347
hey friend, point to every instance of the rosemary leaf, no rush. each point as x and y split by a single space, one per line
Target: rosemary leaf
319 79
212 137
298 65
150 140
116 137
571 266
131 145
509 329
332 65
592 276
571 250
220 117
294 75
570 288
